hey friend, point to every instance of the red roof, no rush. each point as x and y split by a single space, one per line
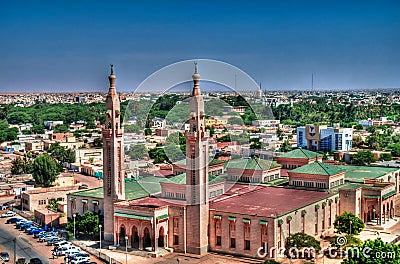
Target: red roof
264 201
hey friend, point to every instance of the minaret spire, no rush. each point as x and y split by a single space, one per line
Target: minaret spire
196 81
112 79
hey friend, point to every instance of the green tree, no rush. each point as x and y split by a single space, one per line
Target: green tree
18 118
45 170
286 146
148 132
350 241
234 120
158 155
301 240
271 261
62 128
374 252
62 154
38 129
98 142
137 151
53 204
19 166
348 223
363 157
87 223
386 157
173 152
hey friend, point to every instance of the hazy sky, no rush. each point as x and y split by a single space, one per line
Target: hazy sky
68 45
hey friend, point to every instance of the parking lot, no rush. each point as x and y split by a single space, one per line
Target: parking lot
27 246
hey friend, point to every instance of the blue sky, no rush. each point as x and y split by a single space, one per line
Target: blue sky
68 45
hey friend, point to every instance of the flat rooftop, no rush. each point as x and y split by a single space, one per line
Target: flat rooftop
359 173
265 200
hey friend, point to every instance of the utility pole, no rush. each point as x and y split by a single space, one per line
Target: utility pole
15 250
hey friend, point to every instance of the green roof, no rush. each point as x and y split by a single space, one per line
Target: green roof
318 168
371 196
251 164
181 179
133 190
300 154
140 217
387 195
182 162
162 217
359 173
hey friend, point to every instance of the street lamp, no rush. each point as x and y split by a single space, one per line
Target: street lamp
351 222
126 249
74 215
100 238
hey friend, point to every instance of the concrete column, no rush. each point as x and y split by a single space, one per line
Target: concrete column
129 242
140 242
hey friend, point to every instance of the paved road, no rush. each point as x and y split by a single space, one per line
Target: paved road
92 182
24 247
27 246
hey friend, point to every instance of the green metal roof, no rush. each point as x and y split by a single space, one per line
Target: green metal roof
182 162
263 222
162 217
140 217
133 190
318 168
246 220
181 179
231 218
359 173
371 196
301 154
217 216
387 195
251 164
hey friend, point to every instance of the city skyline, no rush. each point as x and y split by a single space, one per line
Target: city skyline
67 46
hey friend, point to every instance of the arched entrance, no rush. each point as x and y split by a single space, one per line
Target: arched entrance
122 234
161 237
146 238
135 237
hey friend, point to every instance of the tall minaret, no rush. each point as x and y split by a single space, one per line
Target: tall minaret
113 158
197 173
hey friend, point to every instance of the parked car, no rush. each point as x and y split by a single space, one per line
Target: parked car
8 214
80 260
35 231
29 228
4 207
13 220
36 235
47 238
35 261
52 241
65 252
61 243
5 256
78 255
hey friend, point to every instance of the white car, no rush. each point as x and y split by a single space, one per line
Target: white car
80 260
8 214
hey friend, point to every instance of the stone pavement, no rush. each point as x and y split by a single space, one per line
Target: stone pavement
387 225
